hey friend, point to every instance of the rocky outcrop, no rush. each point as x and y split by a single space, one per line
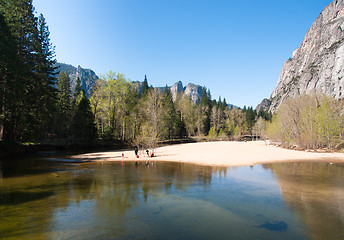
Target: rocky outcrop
194 91
176 89
317 66
87 76
88 79
264 106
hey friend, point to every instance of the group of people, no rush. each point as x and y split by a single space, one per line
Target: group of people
147 152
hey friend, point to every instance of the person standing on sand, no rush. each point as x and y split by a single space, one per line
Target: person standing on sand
136 151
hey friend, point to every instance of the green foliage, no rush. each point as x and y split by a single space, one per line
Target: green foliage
267 116
187 110
113 102
82 126
222 134
181 129
308 121
11 82
64 107
34 106
47 73
32 79
212 133
205 102
77 89
250 118
145 88
328 122
169 116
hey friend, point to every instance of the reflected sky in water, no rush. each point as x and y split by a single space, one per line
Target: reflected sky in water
51 197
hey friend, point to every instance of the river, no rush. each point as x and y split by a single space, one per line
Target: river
50 196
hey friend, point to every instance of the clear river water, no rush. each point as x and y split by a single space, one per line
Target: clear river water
49 196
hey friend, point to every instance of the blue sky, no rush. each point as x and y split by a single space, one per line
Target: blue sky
234 48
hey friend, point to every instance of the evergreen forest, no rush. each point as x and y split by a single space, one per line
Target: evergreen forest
36 105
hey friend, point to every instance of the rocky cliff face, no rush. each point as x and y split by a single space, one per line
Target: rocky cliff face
176 89
317 66
264 106
194 91
191 90
87 76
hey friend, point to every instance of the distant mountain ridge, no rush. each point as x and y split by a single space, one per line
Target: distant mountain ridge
88 78
192 90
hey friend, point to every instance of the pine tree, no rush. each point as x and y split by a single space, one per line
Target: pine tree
169 116
181 128
23 26
145 88
63 104
34 74
77 89
82 126
47 73
205 102
224 104
250 118
11 83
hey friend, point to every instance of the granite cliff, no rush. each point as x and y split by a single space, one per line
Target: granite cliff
317 66
192 90
87 76
263 106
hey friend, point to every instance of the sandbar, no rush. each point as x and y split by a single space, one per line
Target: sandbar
225 153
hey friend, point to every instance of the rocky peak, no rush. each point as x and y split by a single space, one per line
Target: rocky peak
176 89
87 76
194 91
317 66
263 106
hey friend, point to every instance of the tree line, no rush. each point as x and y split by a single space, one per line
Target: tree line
308 121
122 110
35 105
27 92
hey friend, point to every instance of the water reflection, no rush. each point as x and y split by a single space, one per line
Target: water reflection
154 200
315 192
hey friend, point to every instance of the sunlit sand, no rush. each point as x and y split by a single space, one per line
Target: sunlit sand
217 154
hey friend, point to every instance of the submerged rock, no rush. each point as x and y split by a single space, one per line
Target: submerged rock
275 227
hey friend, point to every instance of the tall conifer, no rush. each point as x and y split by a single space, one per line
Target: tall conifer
169 115
11 85
63 104
145 88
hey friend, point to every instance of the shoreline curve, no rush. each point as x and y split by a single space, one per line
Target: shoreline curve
226 153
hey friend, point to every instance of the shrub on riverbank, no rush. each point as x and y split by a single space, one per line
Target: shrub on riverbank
308 121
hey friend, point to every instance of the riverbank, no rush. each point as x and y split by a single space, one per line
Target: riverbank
16 149
13 149
217 154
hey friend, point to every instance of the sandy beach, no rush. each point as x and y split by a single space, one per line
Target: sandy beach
217 154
